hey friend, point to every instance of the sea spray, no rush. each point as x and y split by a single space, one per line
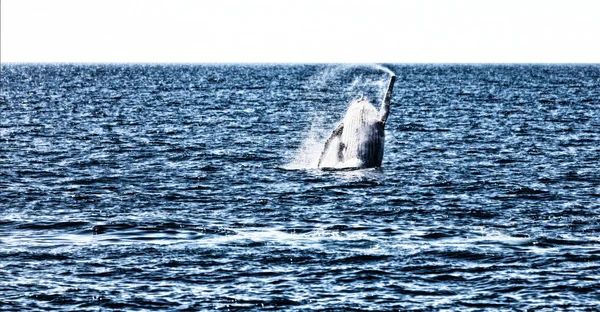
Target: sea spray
383 68
357 76
307 155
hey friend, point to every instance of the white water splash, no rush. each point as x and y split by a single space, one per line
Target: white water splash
332 73
307 155
383 68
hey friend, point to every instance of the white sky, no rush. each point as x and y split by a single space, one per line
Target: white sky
274 31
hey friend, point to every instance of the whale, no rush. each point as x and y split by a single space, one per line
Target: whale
358 139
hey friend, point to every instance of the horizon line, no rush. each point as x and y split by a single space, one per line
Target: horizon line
300 63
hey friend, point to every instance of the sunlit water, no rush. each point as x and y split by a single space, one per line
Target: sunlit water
174 187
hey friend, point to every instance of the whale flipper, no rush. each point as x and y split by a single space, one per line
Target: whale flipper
333 145
384 111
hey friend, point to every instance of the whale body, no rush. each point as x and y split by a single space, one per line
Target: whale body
358 140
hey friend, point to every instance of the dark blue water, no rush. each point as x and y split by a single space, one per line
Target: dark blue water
191 187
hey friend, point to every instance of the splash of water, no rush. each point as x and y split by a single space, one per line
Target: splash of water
331 73
307 155
383 68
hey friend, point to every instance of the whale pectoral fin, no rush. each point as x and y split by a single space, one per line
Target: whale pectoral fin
337 132
384 111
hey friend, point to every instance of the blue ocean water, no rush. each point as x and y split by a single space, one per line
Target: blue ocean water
193 187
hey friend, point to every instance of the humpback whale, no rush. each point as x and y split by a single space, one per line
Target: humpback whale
357 141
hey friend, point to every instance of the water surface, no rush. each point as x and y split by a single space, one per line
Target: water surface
192 187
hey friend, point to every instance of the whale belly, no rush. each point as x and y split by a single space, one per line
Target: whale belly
364 148
361 140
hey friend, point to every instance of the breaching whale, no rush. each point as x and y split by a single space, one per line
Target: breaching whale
357 141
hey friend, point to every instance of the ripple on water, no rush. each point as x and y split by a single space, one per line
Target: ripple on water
193 187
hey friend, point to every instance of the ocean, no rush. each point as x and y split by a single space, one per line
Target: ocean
188 187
